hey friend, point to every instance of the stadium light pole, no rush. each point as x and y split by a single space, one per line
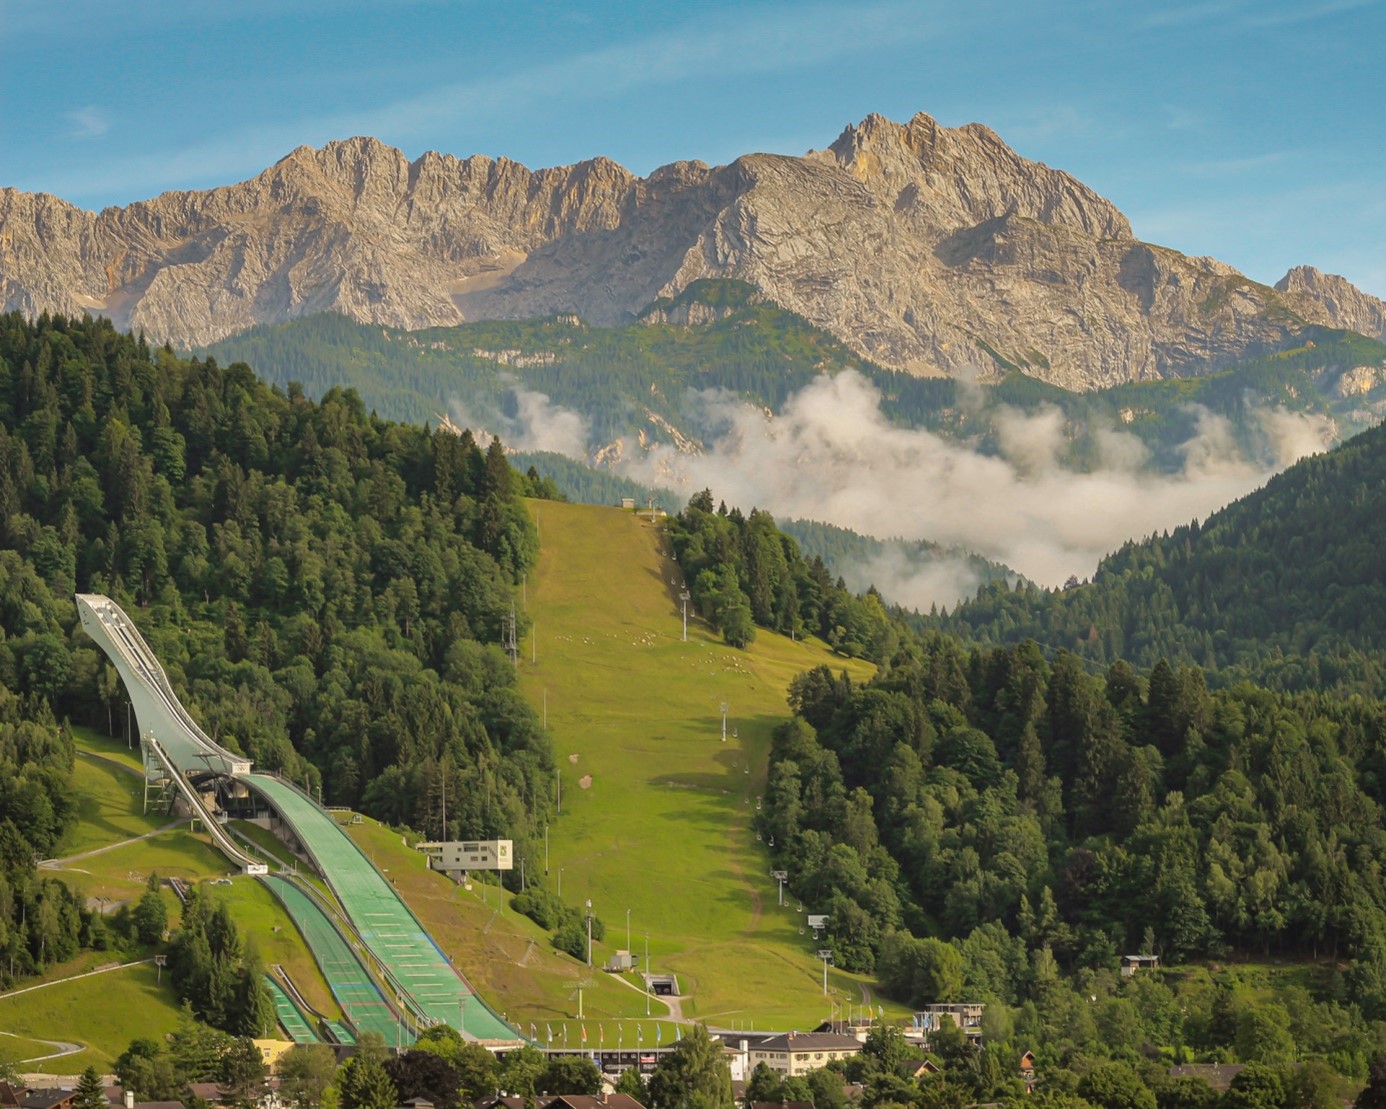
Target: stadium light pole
684 596
627 931
827 956
589 932
647 974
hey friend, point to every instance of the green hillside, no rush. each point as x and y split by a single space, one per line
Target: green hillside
656 811
647 379
1283 586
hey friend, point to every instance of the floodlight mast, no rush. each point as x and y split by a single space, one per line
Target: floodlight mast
589 935
780 876
827 956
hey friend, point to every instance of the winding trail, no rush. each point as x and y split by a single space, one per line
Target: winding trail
65 1047
59 864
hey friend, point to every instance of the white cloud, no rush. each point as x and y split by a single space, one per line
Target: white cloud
538 424
832 455
90 122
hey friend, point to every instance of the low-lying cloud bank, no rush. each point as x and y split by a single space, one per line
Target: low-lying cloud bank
831 455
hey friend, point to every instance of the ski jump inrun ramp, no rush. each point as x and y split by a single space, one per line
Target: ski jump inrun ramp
174 746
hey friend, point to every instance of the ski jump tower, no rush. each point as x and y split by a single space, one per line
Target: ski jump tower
178 755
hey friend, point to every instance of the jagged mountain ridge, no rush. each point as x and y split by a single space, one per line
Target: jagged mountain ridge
931 249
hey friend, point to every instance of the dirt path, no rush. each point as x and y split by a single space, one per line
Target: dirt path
74 978
64 1047
672 1003
109 762
58 864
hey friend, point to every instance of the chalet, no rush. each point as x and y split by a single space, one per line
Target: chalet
1131 964
10 1096
795 1053
1027 1071
48 1099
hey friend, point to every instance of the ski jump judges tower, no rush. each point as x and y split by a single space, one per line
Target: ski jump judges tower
178 755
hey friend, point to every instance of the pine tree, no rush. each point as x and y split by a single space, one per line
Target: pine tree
365 1085
91 1094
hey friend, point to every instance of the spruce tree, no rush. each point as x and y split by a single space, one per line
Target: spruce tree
91 1094
365 1085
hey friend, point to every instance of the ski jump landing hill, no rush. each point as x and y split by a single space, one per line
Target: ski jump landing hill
179 754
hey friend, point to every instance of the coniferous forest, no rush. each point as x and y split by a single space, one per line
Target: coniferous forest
1283 587
982 820
986 823
329 589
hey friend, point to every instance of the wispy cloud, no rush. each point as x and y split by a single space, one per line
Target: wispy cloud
1303 13
90 122
766 41
1231 167
1240 13
1189 14
1215 226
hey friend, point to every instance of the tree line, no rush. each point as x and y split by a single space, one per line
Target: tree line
326 589
1281 587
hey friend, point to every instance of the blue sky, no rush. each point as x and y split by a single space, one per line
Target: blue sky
1250 130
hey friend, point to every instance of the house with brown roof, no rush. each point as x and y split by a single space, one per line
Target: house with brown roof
795 1053
559 1101
48 1099
1027 1071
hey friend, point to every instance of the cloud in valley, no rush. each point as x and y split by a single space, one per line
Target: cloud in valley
537 425
831 455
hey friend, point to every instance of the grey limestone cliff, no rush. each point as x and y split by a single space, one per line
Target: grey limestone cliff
935 250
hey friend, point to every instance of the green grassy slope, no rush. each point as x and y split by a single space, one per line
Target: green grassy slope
109 804
104 1012
656 809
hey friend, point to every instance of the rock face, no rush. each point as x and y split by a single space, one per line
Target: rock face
934 250
1345 305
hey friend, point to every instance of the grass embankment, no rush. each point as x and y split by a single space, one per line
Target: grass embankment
506 957
657 810
107 1011
104 1012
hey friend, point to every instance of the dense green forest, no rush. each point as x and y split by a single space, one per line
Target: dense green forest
985 823
1283 586
850 555
326 589
650 376
742 571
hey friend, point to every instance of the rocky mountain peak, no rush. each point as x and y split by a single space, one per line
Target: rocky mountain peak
1343 302
931 249
968 175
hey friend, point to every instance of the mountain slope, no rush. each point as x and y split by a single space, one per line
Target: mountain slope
924 248
658 812
1284 586
646 383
